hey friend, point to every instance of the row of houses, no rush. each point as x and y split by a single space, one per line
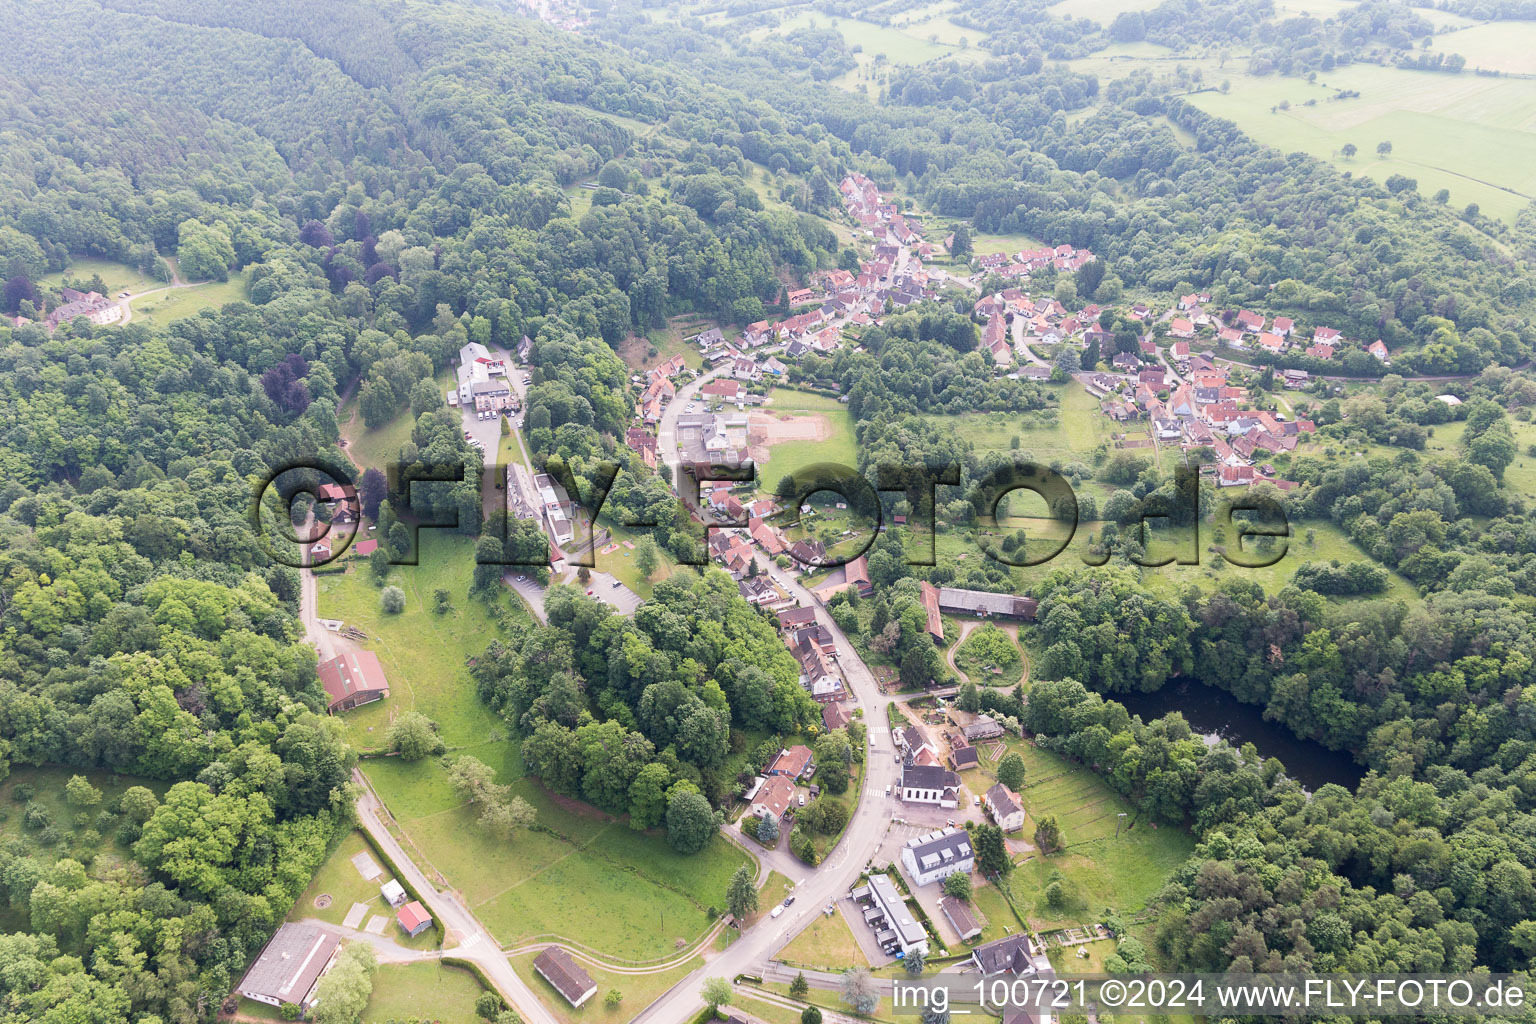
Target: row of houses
1064 258
1246 329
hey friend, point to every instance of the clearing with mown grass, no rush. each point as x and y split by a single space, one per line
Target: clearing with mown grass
338 885
1097 869
580 875
827 943
424 991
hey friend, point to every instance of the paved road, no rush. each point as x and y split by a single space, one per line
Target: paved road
1022 348
666 430
385 948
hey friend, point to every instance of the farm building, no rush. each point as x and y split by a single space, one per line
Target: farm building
980 602
413 918
351 680
561 970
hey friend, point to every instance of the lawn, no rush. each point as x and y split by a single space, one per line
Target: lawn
422 991
621 563
423 654
581 875
377 447
988 900
342 885
1097 869
117 276
638 990
826 944
177 303
1471 134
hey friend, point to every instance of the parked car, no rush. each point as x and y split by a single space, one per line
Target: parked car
776 911
617 584
788 900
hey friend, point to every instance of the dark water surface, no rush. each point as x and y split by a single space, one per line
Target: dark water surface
1216 713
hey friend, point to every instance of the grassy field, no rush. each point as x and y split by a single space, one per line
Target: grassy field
378 446
638 990
117 276
1472 135
1070 432
590 878
177 303
1519 477
990 904
621 563
1508 46
429 677
668 341
827 944
792 456
960 546
424 991
1097 870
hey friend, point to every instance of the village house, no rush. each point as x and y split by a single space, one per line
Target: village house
793 763
1005 806
773 796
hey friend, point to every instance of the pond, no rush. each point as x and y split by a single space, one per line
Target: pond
1215 713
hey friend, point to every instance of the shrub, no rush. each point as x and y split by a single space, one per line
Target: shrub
392 600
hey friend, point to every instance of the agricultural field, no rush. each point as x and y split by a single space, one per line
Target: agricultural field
638 990
1096 870
826 944
589 879
1507 46
425 991
1472 135
431 678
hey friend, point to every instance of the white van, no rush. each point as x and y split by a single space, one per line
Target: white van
776 911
